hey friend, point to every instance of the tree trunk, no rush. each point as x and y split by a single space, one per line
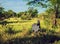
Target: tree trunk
56 14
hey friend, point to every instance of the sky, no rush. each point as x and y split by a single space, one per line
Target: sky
18 5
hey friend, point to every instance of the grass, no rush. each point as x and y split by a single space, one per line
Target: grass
22 28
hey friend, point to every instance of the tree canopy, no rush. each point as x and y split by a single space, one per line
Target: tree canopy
51 5
30 13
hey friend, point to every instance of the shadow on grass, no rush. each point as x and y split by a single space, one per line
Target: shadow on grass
42 39
45 39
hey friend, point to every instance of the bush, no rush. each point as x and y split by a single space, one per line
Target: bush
25 17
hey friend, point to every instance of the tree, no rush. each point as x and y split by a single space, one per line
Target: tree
11 13
33 12
5 13
1 11
20 14
30 13
49 4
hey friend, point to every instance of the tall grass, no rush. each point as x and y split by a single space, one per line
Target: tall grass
22 29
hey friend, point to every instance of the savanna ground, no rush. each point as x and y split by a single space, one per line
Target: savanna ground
18 31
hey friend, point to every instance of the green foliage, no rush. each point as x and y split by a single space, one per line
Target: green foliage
19 14
51 5
26 15
31 13
10 13
1 10
6 14
1 13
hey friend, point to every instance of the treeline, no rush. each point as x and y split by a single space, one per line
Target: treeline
30 13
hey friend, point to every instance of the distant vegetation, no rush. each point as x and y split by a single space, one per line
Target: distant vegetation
27 15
